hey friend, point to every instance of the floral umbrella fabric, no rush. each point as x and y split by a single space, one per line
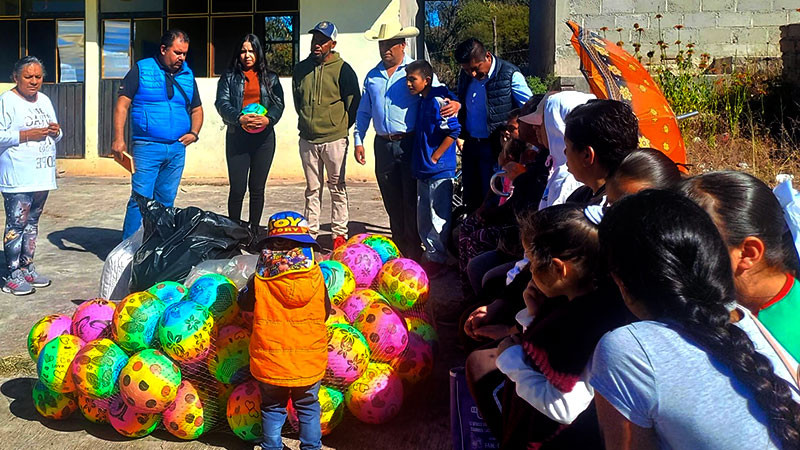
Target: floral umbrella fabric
615 74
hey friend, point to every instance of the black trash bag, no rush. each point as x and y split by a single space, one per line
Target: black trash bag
175 240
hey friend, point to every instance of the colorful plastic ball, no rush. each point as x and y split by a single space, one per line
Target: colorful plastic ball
246 319
149 381
96 368
339 280
363 261
53 405
331 404
217 293
416 363
169 292
336 316
404 283
230 361
131 422
94 409
384 329
214 397
257 109
55 361
348 356
422 328
377 396
185 417
357 239
185 331
45 330
356 303
136 321
384 246
92 319
244 411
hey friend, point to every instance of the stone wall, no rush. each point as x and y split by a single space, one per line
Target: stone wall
721 28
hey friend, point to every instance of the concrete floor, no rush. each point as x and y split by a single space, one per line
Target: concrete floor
81 224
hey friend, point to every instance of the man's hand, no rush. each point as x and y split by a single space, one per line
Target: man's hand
359 154
477 319
187 139
33 134
508 342
450 108
53 129
119 146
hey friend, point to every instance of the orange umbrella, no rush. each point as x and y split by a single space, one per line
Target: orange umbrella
615 74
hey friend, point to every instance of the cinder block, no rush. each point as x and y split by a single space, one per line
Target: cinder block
773 35
747 36
617 6
650 6
754 5
719 5
627 21
594 23
585 6
650 36
683 5
709 36
700 19
786 4
772 19
734 19
668 20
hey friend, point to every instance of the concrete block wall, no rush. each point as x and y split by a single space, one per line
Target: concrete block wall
790 48
721 28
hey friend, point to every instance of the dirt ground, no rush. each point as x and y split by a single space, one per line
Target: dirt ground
81 225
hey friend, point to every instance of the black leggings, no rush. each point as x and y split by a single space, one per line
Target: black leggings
249 160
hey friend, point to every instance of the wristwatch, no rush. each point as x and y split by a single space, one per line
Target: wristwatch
196 137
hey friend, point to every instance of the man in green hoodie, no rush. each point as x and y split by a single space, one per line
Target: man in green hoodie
326 96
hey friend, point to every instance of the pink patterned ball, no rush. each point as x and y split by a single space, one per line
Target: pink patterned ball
363 261
377 396
92 319
45 330
416 363
348 356
356 303
404 283
357 239
384 329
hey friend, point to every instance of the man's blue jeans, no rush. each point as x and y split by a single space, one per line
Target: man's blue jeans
157 175
273 414
434 207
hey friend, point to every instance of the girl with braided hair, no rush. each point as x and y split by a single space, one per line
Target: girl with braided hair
695 366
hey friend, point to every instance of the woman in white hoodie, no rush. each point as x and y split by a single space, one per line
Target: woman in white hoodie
28 135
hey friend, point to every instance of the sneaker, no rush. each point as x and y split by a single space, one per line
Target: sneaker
339 241
17 285
35 279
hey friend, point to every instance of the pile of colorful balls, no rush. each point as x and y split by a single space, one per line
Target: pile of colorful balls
179 356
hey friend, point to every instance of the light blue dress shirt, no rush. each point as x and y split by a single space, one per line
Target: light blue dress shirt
387 102
477 112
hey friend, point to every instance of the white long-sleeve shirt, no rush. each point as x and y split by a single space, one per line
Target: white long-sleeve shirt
26 166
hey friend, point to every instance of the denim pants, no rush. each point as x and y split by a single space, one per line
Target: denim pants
434 207
273 414
23 210
157 175
399 191
477 168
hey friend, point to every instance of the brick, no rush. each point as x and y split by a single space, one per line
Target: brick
719 5
734 19
650 6
626 21
683 5
585 6
772 19
617 6
754 5
700 19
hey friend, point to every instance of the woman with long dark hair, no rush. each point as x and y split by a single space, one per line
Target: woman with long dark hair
250 140
696 371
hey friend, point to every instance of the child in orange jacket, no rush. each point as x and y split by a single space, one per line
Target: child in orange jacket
288 346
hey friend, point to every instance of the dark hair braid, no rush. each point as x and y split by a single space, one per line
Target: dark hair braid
668 255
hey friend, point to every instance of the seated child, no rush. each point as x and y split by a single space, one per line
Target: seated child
288 346
433 164
645 168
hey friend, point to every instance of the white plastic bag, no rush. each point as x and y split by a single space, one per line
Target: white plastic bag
789 199
238 269
117 268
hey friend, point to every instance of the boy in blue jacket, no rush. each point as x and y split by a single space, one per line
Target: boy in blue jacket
433 164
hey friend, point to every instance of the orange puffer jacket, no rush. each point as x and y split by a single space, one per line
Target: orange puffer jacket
289 344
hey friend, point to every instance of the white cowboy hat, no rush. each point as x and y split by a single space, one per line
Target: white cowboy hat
388 26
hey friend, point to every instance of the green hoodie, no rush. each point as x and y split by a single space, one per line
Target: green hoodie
326 98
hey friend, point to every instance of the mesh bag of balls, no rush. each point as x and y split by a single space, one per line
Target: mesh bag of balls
179 356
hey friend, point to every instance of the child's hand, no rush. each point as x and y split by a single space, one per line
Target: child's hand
508 342
533 298
493 332
475 321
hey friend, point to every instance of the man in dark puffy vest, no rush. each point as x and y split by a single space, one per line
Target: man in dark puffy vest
166 115
488 88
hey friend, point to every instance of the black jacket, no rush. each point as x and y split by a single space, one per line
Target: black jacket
230 94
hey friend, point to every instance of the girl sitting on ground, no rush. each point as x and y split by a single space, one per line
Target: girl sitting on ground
695 372
645 168
761 249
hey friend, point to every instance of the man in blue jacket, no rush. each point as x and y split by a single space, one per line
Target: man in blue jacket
166 115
